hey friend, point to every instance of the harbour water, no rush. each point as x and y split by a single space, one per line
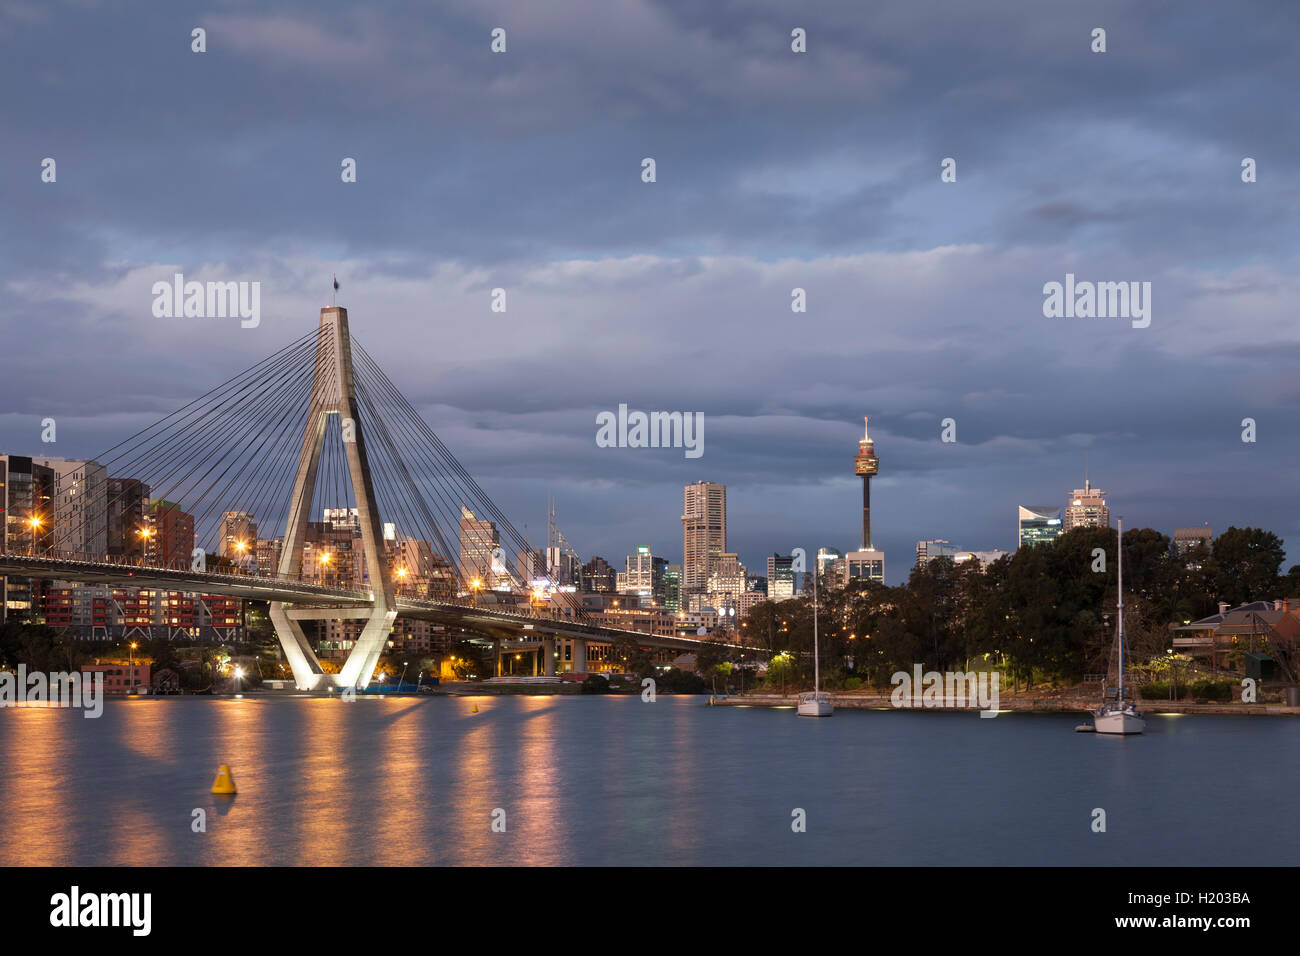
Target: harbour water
615 780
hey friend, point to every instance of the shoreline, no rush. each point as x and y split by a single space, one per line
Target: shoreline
1024 705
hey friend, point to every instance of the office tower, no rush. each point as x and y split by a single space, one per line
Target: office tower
125 519
531 564
27 499
80 505
237 536
673 587
938 548
342 518
827 573
704 534
644 576
1087 509
780 577
1038 524
478 543
867 563
598 576
1186 539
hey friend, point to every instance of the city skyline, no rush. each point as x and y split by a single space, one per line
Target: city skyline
935 287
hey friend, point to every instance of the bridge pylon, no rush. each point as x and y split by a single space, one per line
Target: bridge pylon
334 393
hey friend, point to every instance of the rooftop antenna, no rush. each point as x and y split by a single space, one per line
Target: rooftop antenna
1085 470
334 299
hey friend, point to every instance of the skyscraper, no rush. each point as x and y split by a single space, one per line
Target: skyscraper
1038 524
644 576
478 546
780 577
704 534
1087 509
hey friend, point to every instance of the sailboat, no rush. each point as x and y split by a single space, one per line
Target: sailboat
815 703
1119 716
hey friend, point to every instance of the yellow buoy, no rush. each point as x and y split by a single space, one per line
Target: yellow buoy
224 783
475 710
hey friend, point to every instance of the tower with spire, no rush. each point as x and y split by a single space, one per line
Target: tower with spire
1087 506
868 563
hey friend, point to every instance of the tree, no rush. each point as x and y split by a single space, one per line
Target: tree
1246 563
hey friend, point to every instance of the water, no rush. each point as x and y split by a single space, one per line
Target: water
613 780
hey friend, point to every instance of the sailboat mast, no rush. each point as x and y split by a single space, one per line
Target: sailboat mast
817 673
1119 522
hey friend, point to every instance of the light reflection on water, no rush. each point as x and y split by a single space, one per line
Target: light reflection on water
601 780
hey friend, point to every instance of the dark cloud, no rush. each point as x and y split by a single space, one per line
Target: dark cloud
819 171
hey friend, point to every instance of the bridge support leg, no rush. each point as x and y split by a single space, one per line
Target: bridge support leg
496 657
307 672
548 657
579 655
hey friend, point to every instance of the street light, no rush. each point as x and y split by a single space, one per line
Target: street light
130 656
403 680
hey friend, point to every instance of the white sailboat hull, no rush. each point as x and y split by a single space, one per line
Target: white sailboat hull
1119 722
816 705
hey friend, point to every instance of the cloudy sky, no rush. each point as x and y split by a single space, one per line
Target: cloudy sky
775 170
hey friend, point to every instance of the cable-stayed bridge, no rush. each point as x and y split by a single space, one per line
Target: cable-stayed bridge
317 441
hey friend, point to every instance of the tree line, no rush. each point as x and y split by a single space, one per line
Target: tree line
1044 612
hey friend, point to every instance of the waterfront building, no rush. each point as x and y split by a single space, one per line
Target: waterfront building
27 507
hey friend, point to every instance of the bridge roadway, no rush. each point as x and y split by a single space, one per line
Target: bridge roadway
316 600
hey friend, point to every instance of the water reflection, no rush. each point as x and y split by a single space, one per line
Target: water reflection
614 780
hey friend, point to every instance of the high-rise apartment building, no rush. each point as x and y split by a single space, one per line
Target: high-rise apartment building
27 500
704 534
168 534
126 515
80 505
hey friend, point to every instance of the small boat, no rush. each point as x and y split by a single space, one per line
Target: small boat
815 703
1118 715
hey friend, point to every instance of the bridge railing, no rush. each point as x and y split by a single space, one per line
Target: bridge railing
179 568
